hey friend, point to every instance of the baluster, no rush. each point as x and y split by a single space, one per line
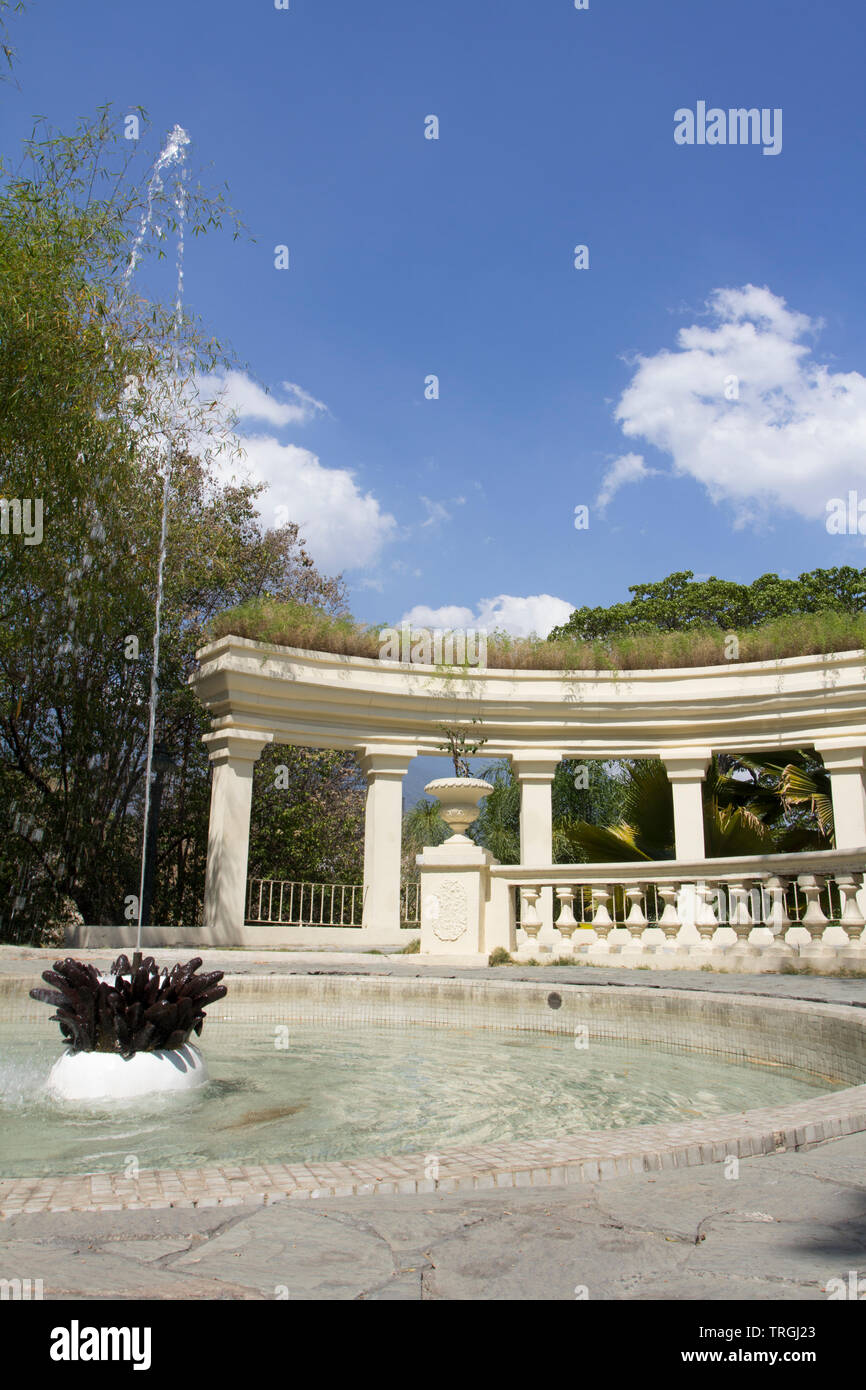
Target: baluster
635 921
760 938
566 923
778 920
601 922
739 919
601 918
529 918
853 920
670 919
813 918
601 897
707 922
586 938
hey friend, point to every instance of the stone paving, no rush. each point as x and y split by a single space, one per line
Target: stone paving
830 989
780 1229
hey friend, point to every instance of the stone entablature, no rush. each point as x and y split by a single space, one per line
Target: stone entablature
325 700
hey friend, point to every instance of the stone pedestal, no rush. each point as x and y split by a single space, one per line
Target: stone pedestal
455 886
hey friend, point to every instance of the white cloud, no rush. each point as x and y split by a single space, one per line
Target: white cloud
629 468
244 398
537 613
790 432
438 511
342 527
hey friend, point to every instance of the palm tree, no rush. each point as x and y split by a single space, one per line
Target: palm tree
742 815
422 825
800 790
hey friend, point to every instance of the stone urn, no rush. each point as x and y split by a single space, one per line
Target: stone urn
458 798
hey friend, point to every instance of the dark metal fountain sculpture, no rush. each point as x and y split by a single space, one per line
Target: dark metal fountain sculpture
144 1010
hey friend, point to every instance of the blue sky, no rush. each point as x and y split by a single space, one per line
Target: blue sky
454 257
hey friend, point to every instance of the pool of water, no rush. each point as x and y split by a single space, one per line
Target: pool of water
316 1092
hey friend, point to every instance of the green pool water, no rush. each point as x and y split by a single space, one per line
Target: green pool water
315 1092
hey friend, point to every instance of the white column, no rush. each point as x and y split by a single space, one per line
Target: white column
535 771
686 770
383 831
846 769
233 755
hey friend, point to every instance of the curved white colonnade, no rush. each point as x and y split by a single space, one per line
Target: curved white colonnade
388 712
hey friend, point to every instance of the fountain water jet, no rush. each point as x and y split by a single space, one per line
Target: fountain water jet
172 153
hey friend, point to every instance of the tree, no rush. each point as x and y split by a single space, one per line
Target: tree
90 379
6 49
592 790
460 747
422 826
308 816
743 814
679 603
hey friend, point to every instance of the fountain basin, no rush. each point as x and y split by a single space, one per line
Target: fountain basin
487 1081
108 1076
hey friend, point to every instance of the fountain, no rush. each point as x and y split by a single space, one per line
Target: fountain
128 1031
131 1037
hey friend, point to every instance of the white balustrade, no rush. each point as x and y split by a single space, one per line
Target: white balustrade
758 911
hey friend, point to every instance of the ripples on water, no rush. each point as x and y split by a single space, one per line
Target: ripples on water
342 1092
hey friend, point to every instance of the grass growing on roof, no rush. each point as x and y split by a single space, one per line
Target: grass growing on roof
311 629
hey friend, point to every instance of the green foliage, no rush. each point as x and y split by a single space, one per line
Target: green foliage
743 814
6 49
296 623
422 825
795 791
499 956
90 375
631 644
498 825
460 747
681 604
307 821
497 828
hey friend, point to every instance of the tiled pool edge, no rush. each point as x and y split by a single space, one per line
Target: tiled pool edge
590 1156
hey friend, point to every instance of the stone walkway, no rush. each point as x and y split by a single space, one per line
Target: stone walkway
27 961
782 1229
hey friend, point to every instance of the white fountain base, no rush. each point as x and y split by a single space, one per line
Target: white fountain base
107 1076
